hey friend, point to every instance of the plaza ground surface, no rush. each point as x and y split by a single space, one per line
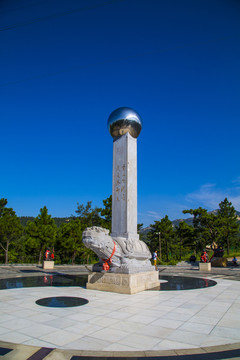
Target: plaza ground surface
187 324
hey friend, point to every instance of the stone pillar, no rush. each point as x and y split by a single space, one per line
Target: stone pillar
124 188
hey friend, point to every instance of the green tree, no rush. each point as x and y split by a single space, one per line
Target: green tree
69 240
106 212
166 239
206 228
139 229
10 227
229 227
88 215
41 232
184 235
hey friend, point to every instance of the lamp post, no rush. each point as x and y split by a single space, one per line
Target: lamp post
160 245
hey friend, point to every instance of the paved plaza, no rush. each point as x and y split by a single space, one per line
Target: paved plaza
150 323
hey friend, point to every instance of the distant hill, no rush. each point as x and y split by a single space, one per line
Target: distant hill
144 231
189 221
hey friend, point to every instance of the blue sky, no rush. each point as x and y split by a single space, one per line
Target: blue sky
66 65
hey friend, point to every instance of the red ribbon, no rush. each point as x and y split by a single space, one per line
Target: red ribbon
109 261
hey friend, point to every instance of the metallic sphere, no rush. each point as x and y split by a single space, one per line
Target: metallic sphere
123 120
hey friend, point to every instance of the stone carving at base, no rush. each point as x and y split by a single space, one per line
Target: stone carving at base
126 256
123 283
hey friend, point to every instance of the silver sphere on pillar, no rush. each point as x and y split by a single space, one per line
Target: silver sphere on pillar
124 120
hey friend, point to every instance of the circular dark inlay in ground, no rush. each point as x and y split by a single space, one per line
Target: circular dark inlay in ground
184 283
46 280
62 301
172 282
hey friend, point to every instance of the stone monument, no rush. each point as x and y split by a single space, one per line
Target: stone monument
124 260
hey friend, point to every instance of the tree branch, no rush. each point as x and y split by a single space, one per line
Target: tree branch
2 246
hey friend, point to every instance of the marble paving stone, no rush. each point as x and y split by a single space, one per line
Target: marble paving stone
177 316
192 306
119 347
118 315
6 317
112 335
131 309
15 337
234 308
102 305
164 308
40 317
193 315
229 323
141 319
210 318
227 332
152 313
216 340
197 328
168 323
100 320
17 324
156 331
60 337
127 326
81 317
24 313
60 323
4 330
187 337
37 330
168 345
174 304
181 310
209 314
217 306
96 311
59 312
38 342
141 342
83 329
88 343
8 309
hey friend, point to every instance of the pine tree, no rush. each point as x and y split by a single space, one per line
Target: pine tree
206 228
41 232
107 213
10 227
69 240
229 226
164 240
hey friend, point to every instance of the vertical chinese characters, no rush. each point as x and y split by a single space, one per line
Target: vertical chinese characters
120 182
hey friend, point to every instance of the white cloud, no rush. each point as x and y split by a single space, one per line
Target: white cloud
154 214
209 196
237 180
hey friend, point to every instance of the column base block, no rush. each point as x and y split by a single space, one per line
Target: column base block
123 283
204 266
48 265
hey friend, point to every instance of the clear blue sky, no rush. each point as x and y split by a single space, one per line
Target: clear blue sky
66 65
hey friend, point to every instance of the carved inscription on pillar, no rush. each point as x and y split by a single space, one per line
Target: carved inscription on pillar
120 183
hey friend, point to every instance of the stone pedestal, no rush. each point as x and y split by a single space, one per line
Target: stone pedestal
204 266
48 265
123 283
